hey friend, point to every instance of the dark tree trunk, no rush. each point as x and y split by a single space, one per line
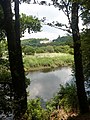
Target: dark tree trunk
83 105
15 58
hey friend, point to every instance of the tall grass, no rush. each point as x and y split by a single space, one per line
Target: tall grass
50 60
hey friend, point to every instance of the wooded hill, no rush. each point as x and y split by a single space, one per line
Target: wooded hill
65 40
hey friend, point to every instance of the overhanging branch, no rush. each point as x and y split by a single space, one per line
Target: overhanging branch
57 27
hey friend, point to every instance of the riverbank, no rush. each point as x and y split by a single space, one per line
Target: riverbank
46 61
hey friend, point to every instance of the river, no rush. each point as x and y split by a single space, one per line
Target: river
46 83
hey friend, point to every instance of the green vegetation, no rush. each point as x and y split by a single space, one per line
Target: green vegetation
63 105
35 111
65 40
29 50
33 42
32 24
6 89
62 45
66 98
47 55
60 41
40 55
65 101
86 52
44 57
48 60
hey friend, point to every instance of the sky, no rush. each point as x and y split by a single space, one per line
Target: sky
51 13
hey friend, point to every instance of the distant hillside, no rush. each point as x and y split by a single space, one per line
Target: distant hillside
65 40
33 41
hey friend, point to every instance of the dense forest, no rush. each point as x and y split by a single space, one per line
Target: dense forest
17 57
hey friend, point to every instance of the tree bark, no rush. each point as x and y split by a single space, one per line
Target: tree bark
83 105
15 59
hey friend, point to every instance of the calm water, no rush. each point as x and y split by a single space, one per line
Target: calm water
46 84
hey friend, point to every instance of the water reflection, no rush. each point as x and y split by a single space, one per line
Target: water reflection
46 84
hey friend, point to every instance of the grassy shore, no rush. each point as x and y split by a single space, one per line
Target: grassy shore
46 60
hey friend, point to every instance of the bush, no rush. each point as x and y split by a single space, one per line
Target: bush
35 111
29 50
50 60
63 49
50 49
66 98
40 50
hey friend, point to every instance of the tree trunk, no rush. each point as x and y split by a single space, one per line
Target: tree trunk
83 105
15 59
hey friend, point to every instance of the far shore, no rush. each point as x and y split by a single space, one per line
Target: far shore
45 61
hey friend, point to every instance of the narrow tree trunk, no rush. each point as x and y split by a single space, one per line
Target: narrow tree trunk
15 58
83 105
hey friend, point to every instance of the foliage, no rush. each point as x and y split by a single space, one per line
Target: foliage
51 62
12 29
35 111
6 90
2 32
1 16
5 87
69 98
32 46
86 52
40 50
29 50
4 63
4 74
3 47
33 41
32 24
5 98
85 38
61 44
29 22
66 98
65 40
43 60
50 49
63 49
86 17
85 12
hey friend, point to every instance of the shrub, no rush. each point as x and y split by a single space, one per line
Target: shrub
29 50
35 111
65 98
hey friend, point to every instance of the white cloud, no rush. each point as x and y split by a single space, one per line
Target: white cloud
48 32
51 13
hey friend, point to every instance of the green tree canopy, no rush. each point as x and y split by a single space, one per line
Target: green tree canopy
31 23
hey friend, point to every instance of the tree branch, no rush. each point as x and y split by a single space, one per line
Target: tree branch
57 27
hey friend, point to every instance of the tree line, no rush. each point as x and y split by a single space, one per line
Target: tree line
11 29
61 44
